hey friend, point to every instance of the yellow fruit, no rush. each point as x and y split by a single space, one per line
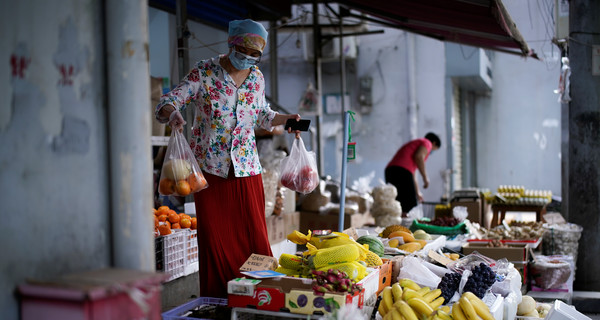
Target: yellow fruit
468 309
394 243
407 236
396 227
406 311
409 294
396 291
432 295
408 283
437 302
410 247
422 242
457 313
420 306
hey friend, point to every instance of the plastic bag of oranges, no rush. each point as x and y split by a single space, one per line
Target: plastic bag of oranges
180 174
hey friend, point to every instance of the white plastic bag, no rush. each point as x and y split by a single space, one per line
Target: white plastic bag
299 169
412 268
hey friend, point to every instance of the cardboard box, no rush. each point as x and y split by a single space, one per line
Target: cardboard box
276 228
473 207
293 294
291 222
385 275
515 253
316 221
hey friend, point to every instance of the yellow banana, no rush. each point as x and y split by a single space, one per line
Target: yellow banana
408 283
396 314
423 291
387 298
396 291
382 310
446 309
410 293
443 314
436 303
406 311
432 295
468 309
457 313
421 306
470 295
388 316
481 308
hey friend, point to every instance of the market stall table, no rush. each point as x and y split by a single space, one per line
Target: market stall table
499 211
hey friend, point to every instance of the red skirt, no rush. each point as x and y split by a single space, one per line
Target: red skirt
231 226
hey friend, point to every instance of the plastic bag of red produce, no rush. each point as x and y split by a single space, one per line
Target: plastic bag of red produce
299 169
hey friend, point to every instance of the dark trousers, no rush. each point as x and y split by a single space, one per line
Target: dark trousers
404 182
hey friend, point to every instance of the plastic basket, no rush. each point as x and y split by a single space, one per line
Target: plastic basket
460 228
183 311
171 254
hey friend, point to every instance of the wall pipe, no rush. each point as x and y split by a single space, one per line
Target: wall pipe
129 149
344 172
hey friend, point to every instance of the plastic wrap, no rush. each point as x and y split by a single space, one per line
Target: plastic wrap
412 268
562 239
550 272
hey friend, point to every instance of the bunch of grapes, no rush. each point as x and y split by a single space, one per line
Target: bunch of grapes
333 280
449 285
481 279
442 221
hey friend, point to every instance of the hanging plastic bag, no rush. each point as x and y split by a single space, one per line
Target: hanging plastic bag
299 169
180 174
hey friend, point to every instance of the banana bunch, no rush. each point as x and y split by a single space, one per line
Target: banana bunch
407 300
470 307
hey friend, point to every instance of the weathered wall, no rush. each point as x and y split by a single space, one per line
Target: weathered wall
53 163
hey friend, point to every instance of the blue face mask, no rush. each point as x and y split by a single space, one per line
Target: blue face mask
241 61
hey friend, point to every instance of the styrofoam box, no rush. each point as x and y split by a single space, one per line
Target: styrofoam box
497 308
562 311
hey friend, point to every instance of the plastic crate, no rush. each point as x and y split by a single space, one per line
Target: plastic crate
203 303
191 247
254 314
171 254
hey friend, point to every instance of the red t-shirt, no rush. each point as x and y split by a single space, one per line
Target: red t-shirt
404 156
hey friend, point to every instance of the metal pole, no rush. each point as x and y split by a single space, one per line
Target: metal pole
273 61
130 157
342 69
344 170
317 70
183 57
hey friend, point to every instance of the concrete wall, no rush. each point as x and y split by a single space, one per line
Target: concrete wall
518 126
53 163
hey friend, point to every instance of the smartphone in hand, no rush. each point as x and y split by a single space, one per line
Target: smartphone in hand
301 125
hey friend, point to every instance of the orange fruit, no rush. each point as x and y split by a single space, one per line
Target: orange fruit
164 229
166 187
162 210
182 188
175 226
173 217
196 181
194 225
185 223
154 211
162 217
167 223
156 221
183 215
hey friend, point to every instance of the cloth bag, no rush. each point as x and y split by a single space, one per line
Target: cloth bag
299 169
180 174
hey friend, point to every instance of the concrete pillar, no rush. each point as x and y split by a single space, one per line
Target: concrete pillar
584 140
129 115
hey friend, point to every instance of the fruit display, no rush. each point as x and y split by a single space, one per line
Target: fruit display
333 280
518 195
528 307
375 245
336 251
166 219
445 221
449 284
406 241
407 300
481 279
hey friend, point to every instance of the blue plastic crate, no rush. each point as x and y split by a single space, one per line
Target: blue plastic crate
181 312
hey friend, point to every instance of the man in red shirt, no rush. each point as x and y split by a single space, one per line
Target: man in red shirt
400 171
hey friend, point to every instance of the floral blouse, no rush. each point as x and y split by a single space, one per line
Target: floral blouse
224 117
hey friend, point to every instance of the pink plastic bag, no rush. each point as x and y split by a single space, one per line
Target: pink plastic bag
299 169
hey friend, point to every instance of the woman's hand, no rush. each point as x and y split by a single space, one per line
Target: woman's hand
282 118
176 121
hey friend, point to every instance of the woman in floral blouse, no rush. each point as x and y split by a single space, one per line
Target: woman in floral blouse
227 94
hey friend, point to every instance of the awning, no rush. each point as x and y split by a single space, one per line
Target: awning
479 23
